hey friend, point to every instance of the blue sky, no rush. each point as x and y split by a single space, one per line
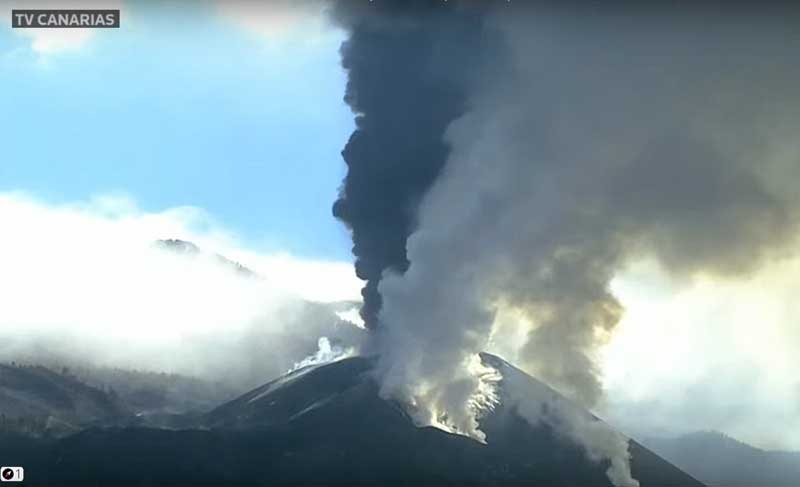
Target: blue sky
200 111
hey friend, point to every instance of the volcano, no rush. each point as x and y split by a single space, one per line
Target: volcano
327 425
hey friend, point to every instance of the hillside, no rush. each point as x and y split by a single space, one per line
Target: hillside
719 460
147 392
35 400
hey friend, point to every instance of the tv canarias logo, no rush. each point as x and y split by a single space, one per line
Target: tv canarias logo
64 19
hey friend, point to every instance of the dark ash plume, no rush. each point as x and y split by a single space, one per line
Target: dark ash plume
599 137
408 69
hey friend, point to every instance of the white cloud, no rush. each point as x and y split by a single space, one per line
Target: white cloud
49 41
84 281
280 21
713 354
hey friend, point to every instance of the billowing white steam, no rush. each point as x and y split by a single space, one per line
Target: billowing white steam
325 353
536 403
595 141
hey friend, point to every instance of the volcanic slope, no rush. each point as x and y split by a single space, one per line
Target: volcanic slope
336 409
327 425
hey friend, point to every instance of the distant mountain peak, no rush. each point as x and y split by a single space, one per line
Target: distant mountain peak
184 247
177 245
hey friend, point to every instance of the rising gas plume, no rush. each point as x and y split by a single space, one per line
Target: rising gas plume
574 143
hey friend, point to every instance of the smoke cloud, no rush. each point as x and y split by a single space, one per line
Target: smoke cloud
595 138
407 64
